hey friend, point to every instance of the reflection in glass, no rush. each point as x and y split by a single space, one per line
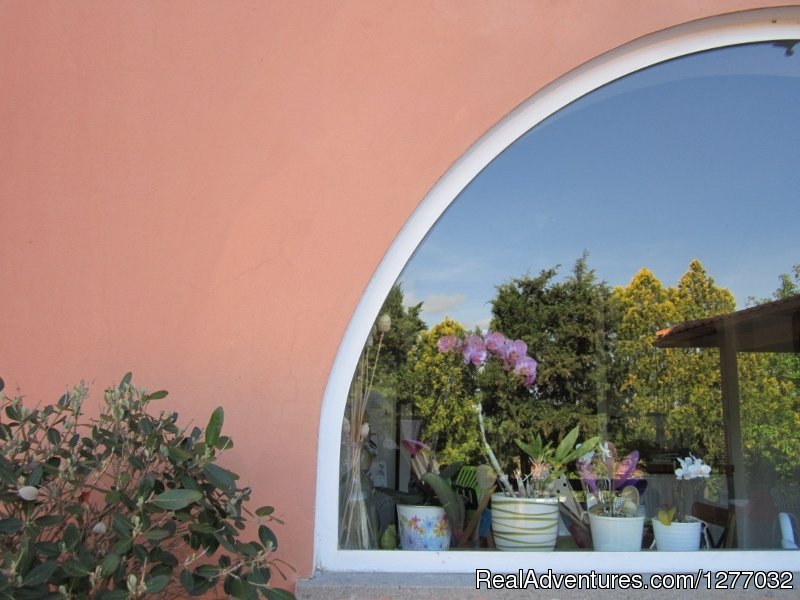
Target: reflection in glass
642 243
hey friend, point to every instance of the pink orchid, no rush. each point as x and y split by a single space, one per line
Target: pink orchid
526 366
474 351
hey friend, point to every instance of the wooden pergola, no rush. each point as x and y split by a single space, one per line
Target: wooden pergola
770 327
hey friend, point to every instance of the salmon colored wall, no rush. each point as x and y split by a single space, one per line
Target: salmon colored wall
199 192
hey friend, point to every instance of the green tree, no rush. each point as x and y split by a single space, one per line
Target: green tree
697 416
769 388
442 391
646 386
401 337
568 326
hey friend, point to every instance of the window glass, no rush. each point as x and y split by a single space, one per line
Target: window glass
641 243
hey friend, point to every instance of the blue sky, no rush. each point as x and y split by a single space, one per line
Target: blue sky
693 158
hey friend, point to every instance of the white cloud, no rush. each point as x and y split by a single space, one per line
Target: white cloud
439 303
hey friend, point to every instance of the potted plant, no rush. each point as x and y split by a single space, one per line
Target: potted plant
123 506
429 518
525 518
674 529
612 498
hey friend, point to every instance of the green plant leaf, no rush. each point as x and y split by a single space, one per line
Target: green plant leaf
243 590
221 478
452 503
177 499
156 584
40 574
10 525
155 535
265 511
567 444
109 564
126 380
666 516
158 395
214 427
74 568
267 537
71 536
178 454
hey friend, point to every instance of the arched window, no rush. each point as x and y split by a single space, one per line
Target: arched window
655 205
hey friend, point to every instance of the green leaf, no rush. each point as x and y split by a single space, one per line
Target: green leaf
224 443
40 574
221 478
177 499
202 528
452 503
157 395
267 537
178 454
47 521
71 536
242 590
155 535
156 584
126 380
109 564
265 511
10 525
567 444
214 427
666 516
74 568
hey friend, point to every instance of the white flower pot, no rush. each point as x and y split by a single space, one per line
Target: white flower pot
526 524
423 527
616 534
677 537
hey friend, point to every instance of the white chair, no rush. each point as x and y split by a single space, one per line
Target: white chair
787 530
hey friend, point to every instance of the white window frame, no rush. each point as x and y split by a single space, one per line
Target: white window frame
736 28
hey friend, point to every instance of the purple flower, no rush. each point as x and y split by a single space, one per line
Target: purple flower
474 350
625 470
514 351
495 341
526 366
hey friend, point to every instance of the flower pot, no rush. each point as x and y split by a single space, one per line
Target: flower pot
423 527
677 537
526 524
616 534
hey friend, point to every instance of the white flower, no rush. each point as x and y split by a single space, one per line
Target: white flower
100 528
605 449
692 468
28 492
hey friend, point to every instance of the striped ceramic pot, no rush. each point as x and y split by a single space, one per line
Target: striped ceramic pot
524 524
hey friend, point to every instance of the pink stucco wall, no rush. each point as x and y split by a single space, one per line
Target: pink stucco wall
199 192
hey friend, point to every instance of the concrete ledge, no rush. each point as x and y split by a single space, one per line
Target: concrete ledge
446 586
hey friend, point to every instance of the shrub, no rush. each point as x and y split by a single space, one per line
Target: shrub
123 506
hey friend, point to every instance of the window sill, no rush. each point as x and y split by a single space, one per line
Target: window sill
412 586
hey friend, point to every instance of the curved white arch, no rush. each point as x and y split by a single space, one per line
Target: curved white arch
737 28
